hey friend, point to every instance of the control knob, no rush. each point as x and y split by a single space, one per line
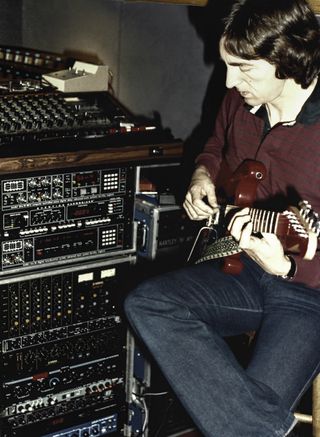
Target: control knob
54 382
44 197
21 199
33 183
57 195
45 182
33 198
57 181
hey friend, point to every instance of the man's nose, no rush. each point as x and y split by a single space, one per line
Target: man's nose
233 77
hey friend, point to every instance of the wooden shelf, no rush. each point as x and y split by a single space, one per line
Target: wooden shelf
157 153
177 2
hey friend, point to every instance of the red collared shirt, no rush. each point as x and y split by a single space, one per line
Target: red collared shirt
290 152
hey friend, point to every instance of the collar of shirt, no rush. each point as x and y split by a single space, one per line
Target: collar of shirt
309 114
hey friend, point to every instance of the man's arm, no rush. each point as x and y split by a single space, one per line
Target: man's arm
200 200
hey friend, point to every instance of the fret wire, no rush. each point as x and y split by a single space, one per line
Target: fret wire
264 221
270 221
254 219
276 220
259 220
252 213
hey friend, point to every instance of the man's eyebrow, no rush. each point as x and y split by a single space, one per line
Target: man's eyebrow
239 64
236 64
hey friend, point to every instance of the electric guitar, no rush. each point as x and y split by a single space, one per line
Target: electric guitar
297 228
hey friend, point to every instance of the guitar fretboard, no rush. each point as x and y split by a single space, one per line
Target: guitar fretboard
264 221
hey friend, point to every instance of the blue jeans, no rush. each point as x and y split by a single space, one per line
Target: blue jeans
182 318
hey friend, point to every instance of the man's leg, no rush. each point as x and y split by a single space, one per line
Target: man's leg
182 317
286 356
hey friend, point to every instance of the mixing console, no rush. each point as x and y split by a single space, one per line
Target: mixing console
36 116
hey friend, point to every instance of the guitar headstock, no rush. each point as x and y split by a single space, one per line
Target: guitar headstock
310 217
304 230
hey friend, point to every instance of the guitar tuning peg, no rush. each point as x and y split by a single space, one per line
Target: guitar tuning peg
306 210
304 205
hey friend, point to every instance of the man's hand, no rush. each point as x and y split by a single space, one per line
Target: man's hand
266 251
201 186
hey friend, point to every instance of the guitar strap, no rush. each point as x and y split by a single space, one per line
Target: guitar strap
211 242
224 246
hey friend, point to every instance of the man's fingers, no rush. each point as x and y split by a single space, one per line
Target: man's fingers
194 213
246 236
238 223
196 208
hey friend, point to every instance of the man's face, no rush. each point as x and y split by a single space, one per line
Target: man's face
254 79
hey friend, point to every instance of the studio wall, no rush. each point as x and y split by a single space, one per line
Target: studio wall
11 22
153 50
163 57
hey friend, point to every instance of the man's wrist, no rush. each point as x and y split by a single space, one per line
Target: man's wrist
292 270
202 169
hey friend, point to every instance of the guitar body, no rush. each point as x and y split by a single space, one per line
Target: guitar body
297 228
242 187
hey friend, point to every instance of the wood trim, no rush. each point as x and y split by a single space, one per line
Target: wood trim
177 2
315 4
129 155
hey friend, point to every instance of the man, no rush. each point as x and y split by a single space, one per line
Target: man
271 114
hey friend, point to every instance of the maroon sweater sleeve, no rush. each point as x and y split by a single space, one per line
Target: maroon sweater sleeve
212 152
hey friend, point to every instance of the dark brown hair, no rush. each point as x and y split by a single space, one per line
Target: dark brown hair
285 33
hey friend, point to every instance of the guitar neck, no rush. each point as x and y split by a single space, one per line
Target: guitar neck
280 224
266 221
297 229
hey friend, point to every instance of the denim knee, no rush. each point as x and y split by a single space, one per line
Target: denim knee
147 291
